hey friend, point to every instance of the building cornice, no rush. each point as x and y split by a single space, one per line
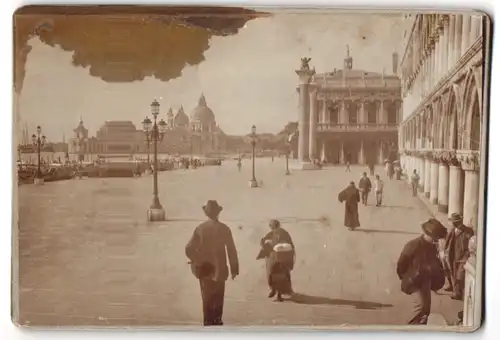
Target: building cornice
448 78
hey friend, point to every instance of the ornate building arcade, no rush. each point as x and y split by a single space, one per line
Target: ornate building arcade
441 135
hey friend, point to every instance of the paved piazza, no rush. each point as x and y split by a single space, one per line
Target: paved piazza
89 257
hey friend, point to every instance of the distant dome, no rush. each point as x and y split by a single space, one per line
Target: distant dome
181 119
202 113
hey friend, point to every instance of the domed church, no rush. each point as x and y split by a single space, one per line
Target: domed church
205 136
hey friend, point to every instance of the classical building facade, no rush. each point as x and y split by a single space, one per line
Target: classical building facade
348 114
441 133
199 135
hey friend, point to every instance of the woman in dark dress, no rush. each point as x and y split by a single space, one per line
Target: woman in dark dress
278 264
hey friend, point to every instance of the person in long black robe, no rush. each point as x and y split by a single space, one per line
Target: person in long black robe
278 265
351 197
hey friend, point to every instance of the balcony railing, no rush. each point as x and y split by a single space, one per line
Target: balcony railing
332 127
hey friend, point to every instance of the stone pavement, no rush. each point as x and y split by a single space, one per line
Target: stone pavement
89 257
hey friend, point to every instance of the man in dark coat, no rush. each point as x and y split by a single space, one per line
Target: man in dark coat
207 252
421 271
350 196
456 253
365 186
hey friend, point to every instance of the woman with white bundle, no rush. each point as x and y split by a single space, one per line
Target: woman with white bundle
279 251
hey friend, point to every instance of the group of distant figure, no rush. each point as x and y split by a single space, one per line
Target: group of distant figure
421 267
424 265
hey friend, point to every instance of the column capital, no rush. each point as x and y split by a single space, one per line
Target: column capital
469 159
313 89
305 75
446 157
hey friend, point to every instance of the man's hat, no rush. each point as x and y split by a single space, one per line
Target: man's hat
434 229
212 208
456 217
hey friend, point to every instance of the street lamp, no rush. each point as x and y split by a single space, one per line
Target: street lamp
38 142
149 123
287 155
155 132
253 181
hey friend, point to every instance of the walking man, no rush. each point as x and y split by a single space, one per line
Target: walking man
348 162
420 269
456 252
371 167
365 186
379 188
207 250
415 178
350 196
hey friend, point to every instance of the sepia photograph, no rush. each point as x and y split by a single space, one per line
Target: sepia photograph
249 168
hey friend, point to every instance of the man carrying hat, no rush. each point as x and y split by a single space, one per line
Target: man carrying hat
420 270
456 252
207 250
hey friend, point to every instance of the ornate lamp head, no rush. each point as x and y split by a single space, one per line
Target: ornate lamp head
155 108
254 130
147 124
43 140
162 129
39 130
33 139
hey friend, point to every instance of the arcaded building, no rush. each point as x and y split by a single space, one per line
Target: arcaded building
348 114
441 133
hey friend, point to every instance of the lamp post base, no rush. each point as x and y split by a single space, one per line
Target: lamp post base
287 172
253 183
156 214
38 181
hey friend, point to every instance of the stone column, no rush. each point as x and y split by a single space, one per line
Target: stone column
325 119
381 113
380 154
465 33
443 185
451 38
421 173
456 189
427 177
342 119
433 66
361 153
440 45
342 152
458 37
474 28
303 147
446 47
470 164
434 181
361 119
323 150
313 125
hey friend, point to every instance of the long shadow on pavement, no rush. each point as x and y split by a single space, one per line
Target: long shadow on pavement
321 300
387 231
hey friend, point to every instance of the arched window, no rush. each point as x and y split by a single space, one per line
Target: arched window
392 115
475 130
371 109
352 110
333 114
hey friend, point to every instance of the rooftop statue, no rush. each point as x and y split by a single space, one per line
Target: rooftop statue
305 64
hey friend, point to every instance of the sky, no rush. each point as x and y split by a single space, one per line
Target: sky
247 79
